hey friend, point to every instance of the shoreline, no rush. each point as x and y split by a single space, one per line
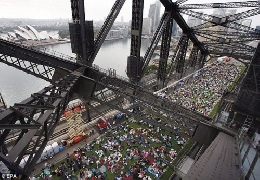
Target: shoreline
41 43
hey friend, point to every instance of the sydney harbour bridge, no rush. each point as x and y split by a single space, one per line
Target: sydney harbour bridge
69 76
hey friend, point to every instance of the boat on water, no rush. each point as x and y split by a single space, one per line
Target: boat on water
2 103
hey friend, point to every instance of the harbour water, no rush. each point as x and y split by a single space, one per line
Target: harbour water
15 85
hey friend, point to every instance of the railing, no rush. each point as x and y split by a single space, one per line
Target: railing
109 72
250 157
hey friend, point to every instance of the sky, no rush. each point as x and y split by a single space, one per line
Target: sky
94 9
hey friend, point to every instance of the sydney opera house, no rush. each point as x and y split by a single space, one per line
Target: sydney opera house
30 33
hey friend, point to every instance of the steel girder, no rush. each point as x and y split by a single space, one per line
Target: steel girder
39 64
226 52
181 56
202 60
164 53
170 6
173 61
234 47
75 10
135 61
251 81
180 1
136 30
236 37
227 33
193 56
222 21
248 99
37 70
215 40
48 104
156 37
228 20
106 28
220 5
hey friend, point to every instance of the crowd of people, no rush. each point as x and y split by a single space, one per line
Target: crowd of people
129 151
204 89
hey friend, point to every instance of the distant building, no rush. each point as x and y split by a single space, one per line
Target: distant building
29 33
258 28
147 26
154 14
174 28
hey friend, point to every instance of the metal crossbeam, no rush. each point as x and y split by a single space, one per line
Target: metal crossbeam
49 103
164 53
156 37
221 21
41 130
220 5
193 56
106 28
135 61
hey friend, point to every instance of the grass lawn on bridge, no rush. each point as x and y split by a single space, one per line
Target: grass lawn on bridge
133 127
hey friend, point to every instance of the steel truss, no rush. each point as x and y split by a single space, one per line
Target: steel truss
75 10
215 40
106 28
220 5
135 61
48 104
193 56
231 37
156 37
164 53
173 63
223 21
181 56
38 115
248 99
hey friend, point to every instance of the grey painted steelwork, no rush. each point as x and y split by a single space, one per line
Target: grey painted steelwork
249 94
135 61
106 28
156 37
75 77
164 53
220 5
181 55
193 56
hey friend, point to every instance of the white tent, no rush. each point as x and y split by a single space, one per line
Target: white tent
55 147
3 168
23 161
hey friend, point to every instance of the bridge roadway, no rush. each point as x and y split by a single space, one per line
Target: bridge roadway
99 110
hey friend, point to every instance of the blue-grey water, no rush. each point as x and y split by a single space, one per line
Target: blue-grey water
15 85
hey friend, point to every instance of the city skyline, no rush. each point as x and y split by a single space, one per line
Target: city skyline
60 9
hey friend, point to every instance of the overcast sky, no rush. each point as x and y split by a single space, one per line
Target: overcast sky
94 9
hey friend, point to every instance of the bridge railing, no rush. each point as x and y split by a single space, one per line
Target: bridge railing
249 150
55 53
109 72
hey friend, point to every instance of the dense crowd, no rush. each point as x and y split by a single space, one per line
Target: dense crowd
127 152
204 89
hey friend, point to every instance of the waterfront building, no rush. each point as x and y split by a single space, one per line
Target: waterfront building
154 14
174 28
147 26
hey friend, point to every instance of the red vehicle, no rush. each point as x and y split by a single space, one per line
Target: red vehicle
227 59
102 123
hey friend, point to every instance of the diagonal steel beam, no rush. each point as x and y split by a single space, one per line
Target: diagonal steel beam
220 5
